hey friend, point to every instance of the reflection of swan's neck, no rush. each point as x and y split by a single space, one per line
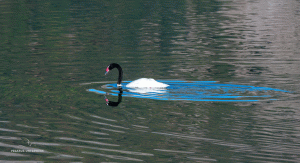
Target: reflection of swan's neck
114 104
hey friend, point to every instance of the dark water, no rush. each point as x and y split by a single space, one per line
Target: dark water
52 52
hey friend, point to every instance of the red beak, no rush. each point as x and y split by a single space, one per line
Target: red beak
107 69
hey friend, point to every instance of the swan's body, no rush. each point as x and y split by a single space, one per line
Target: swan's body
139 83
146 83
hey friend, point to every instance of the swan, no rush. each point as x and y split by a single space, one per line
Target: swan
139 83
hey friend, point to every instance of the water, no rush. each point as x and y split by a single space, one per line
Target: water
53 52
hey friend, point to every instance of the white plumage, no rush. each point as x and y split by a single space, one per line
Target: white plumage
146 83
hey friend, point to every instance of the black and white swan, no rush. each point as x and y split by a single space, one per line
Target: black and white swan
139 83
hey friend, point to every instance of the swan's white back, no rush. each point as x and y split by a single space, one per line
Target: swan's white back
146 83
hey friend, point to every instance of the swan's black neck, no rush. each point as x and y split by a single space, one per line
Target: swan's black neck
115 65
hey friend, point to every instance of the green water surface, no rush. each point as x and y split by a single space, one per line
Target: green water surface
51 52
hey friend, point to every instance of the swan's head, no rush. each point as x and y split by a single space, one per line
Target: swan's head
112 66
107 69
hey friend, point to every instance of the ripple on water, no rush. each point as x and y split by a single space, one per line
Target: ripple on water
197 91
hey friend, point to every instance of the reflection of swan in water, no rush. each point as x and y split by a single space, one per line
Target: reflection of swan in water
139 83
114 104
